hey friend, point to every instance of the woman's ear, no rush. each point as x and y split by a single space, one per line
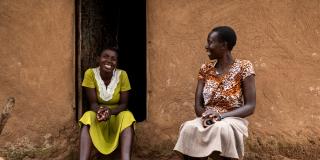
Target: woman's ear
225 45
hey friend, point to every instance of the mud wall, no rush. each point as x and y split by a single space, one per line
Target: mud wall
37 69
281 39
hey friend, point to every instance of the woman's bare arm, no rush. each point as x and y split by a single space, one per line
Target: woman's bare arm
92 97
199 108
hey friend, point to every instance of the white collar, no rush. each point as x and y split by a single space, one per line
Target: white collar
106 93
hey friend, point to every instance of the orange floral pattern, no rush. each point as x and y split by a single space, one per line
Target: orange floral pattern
223 92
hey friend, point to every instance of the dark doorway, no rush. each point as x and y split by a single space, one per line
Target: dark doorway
113 23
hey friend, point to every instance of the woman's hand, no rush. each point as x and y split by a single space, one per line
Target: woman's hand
212 114
103 114
209 117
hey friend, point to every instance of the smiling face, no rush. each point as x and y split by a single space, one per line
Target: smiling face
215 48
108 60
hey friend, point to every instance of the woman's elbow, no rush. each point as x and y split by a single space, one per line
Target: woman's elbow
252 108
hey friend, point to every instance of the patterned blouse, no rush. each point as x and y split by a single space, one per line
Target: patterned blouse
223 92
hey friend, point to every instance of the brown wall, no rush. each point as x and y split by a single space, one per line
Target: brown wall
37 69
281 39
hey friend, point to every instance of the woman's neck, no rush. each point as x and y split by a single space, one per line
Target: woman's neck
225 61
106 75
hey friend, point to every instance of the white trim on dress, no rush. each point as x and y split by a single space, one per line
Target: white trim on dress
106 93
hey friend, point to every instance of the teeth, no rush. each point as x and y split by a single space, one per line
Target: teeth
209 53
107 66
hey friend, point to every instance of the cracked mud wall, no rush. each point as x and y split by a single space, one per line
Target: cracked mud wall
37 69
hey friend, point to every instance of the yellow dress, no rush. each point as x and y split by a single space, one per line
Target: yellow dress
105 135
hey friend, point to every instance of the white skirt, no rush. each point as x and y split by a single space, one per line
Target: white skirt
225 136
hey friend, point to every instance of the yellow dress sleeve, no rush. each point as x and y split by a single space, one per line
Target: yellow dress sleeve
88 80
125 84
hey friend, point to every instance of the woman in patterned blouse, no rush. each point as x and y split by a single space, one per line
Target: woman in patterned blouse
225 95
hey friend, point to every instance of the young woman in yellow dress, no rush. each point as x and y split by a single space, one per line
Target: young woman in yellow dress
108 122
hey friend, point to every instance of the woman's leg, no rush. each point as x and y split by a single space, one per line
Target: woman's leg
85 143
180 155
227 158
185 157
194 158
216 156
126 140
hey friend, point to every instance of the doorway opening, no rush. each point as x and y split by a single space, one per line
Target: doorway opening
101 24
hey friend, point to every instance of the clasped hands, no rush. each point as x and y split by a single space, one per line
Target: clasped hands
209 117
103 113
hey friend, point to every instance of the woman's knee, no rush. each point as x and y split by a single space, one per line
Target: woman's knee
188 128
125 114
223 127
85 127
90 114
